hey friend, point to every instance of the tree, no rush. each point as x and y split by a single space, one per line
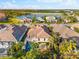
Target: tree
70 17
16 50
45 19
60 47
34 52
54 42
14 21
67 49
34 19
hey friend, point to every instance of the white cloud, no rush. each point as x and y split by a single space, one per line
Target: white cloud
65 2
12 4
71 2
8 5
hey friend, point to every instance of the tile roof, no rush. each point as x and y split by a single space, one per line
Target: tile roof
2 17
6 35
64 31
38 32
39 19
12 33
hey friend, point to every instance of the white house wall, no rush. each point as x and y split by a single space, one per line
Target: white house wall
37 39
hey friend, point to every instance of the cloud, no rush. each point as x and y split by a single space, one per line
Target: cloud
64 2
60 4
71 2
13 5
8 5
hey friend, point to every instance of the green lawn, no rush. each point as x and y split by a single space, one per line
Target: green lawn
10 23
4 22
76 29
6 57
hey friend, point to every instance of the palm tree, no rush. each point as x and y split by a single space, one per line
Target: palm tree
34 52
54 42
59 46
67 49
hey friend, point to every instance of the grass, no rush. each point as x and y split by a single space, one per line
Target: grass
6 57
10 23
6 22
76 29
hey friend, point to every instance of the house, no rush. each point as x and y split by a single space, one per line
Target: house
38 33
67 20
24 19
51 19
65 32
77 17
10 34
57 17
39 19
3 17
30 16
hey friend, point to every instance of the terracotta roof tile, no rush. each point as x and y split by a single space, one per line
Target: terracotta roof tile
38 31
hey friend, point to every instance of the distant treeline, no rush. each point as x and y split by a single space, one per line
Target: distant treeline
28 10
16 12
34 10
13 13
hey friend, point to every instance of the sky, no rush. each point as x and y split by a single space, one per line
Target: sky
39 4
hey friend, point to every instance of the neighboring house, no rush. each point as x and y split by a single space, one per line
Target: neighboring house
51 19
24 19
3 17
66 32
67 20
10 34
57 17
39 19
77 17
38 33
30 16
